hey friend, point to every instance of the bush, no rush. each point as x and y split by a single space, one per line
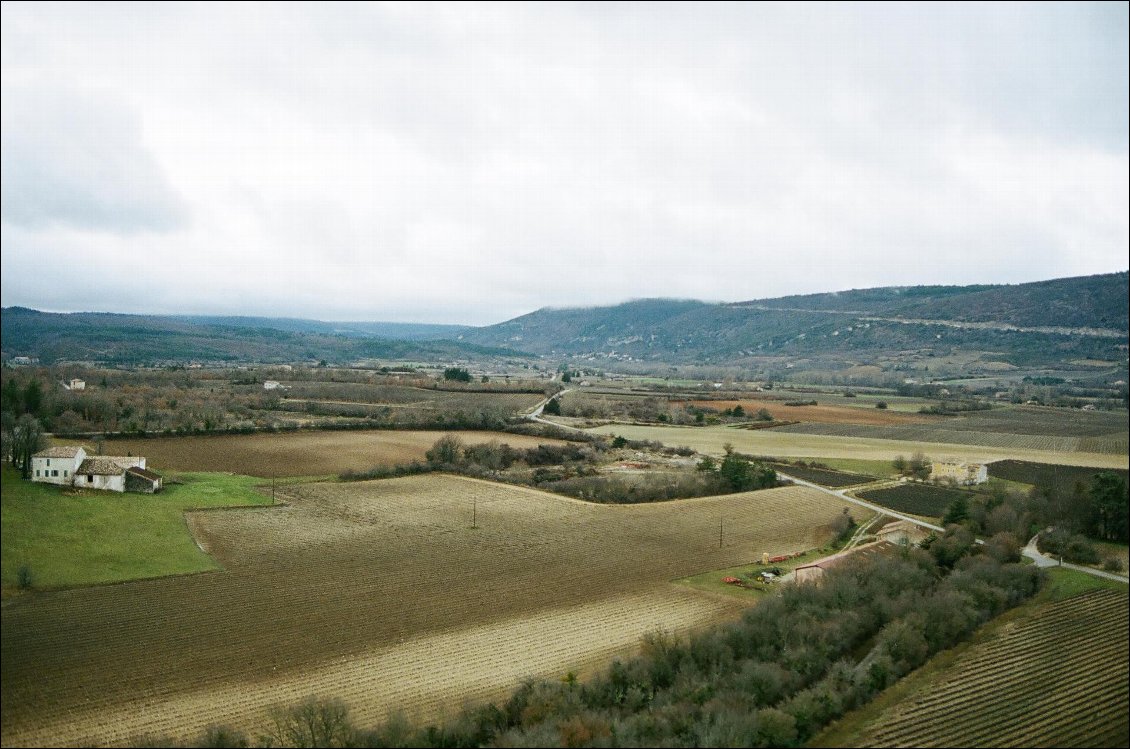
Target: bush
1071 547
24 578
312 723
1113 564
881 404
447 450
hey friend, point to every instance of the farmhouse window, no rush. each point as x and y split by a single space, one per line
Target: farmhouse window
90 478
65 473
55 472
37 473
49 462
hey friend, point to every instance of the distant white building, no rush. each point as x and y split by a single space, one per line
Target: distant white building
272 385
959 471
75 384
70 466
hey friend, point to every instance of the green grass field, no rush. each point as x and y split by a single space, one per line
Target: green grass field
67 537
712 581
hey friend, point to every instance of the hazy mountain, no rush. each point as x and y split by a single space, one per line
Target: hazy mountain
148 339
1035 324
1050 321
401 331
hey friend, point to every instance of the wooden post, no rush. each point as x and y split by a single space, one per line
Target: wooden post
474 513
719 531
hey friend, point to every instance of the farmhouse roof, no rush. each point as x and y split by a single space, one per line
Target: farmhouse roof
148 475
67 451
100 467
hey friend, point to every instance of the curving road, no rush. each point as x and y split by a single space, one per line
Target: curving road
1030 551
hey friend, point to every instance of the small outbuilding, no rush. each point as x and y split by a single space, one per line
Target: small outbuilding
142 481
902 533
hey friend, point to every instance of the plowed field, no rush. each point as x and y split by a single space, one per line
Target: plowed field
298 453
382 593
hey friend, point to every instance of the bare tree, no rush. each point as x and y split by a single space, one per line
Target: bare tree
25 439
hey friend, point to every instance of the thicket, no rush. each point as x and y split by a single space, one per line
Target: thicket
572 470
791 665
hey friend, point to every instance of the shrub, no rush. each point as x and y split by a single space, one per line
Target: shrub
1070 546
312 723
1113 564
447 450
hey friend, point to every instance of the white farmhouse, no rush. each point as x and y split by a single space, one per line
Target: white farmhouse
70 466
56 465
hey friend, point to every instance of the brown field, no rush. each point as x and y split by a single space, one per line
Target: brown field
382 593
820 414
298 453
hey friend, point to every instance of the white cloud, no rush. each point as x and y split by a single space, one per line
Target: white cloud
471 162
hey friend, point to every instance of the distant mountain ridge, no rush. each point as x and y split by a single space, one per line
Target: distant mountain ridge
1053 320
159 339
1032 324
401 331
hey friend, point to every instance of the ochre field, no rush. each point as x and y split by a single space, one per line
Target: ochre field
297 453
381 593
786 444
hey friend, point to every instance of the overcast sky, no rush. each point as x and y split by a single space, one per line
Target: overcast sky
469 163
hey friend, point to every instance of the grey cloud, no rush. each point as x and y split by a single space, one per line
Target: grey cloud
71 159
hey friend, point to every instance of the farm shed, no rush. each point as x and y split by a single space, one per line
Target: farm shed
141 480
814 572
902 533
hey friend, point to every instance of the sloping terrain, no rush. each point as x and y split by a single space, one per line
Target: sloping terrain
1044 322
153 339
1057 679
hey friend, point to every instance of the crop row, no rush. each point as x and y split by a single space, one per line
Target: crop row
1060 676
917 499
823 476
